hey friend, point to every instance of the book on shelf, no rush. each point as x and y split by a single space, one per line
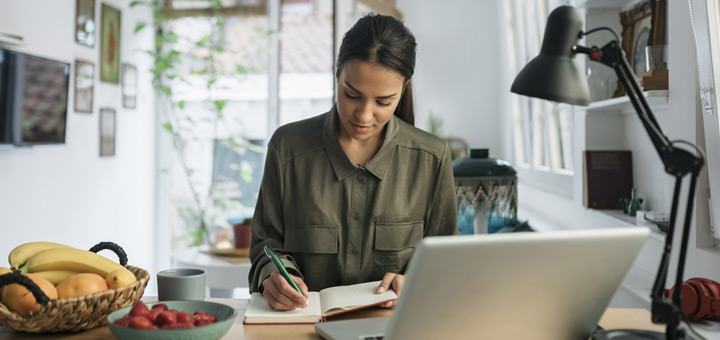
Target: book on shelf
321 305
607 177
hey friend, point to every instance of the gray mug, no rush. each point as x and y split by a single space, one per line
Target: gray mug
181 284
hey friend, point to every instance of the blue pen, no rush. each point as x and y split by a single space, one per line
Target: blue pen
271 254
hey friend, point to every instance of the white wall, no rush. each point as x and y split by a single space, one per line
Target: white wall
458 74
68 193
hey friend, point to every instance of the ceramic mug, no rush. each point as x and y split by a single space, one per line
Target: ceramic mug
181 284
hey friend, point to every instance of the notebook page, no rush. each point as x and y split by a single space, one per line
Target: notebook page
353 296
258 307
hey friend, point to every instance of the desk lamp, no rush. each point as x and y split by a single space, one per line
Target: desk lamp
554 75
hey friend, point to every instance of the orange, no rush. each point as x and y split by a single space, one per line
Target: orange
20 300
81 284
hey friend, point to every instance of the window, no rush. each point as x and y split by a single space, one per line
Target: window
223 63
306 60
275 65
543 131
706 28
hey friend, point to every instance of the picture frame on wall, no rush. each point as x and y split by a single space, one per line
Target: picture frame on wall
641 33
129 86
84 85
107 132
642 26
110 44
85 24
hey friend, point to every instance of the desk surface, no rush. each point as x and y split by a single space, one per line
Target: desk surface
614 318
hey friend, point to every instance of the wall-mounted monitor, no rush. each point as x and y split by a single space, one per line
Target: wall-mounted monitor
33 99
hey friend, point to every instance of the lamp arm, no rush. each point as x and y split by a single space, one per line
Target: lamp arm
613 56
678 163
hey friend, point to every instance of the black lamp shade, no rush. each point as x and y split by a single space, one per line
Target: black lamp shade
554 75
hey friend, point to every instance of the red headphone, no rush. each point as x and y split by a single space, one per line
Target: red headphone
700 299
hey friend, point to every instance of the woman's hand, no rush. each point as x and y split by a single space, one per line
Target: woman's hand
281 295
394 281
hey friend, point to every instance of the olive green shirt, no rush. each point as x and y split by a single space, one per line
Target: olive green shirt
335 223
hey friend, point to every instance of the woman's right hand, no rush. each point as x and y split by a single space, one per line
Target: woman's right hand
281 295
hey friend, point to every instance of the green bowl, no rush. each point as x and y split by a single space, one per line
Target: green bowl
225 318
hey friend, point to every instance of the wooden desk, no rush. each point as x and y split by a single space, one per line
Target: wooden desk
613 318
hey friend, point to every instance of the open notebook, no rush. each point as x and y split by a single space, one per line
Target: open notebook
322 305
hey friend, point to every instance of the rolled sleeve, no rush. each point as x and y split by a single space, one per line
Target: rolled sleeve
267 225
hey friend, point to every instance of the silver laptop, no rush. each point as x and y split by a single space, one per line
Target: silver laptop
548 285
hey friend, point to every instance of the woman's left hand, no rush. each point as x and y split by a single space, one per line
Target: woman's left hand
394 281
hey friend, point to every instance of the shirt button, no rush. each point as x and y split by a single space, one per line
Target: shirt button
360 178
356 216
353 250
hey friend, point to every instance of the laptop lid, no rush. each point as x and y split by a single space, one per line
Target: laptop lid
549 285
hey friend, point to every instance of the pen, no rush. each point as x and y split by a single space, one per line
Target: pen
271 254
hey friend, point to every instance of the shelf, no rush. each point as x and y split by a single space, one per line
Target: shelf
622 220
604 4
657 99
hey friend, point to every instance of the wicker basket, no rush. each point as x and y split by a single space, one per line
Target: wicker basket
78 313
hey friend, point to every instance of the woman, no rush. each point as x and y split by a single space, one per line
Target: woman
347 195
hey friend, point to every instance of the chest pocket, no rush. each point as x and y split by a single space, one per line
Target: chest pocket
316 239
397 236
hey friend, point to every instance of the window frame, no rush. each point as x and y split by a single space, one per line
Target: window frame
708 28
538 151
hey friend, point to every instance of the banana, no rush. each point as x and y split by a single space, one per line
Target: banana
120 278
78 260
56 276
21 253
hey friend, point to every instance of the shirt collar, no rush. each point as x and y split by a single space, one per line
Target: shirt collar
341 164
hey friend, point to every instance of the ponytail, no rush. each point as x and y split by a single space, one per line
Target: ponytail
406 109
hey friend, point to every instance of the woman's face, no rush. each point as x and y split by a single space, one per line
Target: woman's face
367 96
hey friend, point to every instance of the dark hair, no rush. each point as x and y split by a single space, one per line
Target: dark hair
384 40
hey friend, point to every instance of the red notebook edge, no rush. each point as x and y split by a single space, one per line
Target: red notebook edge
325 317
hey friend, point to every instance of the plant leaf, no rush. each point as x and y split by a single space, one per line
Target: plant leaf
203 41
219 104
168 127
139 26
165 89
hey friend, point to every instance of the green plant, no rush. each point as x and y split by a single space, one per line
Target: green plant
204 210
435 124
